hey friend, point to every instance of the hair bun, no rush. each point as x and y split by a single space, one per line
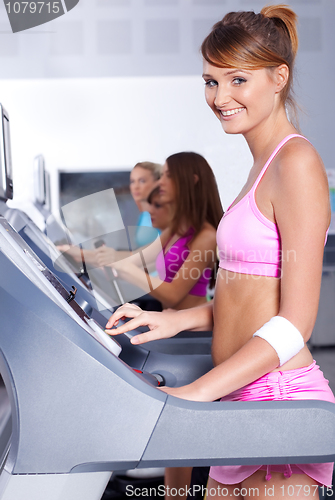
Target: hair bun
282 15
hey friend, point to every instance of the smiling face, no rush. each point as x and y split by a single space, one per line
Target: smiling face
243 100
166 186
142 183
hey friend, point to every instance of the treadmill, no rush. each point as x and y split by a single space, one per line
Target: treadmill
96 288
72 275
98 303
73 399
74 392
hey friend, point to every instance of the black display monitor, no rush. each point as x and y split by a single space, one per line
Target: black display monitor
6 177
74 185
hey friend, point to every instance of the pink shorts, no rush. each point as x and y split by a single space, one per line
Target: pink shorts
303 383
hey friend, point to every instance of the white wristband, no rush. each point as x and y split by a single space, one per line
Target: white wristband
284 337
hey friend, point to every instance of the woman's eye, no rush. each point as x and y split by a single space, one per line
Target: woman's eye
238 80
211 83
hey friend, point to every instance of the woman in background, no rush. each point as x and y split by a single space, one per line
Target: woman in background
160 213
187 258
143 179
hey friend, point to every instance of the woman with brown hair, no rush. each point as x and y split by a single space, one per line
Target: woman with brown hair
271 242
186 262
160 212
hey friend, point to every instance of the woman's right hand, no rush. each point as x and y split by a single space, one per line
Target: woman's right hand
71 251
161 325
105 256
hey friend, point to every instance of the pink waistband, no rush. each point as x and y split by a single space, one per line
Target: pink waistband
302 383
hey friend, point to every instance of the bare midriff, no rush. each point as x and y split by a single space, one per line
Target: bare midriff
242 304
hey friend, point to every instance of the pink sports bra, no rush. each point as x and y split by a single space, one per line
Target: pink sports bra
248 242
169 263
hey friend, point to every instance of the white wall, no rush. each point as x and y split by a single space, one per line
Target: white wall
112 123
62 86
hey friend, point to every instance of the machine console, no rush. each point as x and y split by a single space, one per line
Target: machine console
16 249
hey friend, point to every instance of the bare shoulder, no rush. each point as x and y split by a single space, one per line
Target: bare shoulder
165 236
299 161
299 183
206 237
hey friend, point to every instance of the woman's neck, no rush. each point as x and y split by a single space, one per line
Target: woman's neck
264 140
140 206
183 227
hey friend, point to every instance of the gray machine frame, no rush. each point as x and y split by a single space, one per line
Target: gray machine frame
74 402
73 409
42 188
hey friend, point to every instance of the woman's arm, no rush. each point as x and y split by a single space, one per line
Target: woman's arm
300 201
252 361
302 212
106 256
202 255
78 254
162 325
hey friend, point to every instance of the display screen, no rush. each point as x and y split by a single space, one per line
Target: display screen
16 249
75 185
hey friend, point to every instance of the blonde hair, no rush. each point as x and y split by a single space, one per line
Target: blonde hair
154 168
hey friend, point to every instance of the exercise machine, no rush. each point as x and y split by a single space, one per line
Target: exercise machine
83 405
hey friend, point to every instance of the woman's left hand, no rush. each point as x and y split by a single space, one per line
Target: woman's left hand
185 392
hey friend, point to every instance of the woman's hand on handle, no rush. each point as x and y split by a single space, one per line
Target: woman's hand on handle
160 325
105 256
71 251
185 392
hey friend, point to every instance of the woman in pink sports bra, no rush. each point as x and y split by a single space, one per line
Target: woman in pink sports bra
270 240
187 258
